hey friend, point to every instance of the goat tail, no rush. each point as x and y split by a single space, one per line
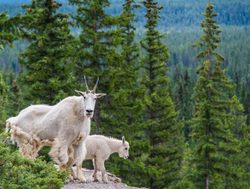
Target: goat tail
8 129
7 126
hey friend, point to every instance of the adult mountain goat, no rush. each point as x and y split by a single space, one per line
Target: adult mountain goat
63 126
99 148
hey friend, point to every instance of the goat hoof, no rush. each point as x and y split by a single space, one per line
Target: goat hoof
71 178
105 181
82 179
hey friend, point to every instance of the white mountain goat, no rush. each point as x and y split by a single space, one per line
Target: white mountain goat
99 148
59 126
29 144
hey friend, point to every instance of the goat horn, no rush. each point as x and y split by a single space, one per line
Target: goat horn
94 89
86 83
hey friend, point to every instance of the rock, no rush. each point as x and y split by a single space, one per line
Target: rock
114 182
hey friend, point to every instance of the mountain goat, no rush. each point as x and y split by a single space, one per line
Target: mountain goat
58 126
99 148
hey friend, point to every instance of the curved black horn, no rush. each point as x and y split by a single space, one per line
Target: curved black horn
94 89
86 83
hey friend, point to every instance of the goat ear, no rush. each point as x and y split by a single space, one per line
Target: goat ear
80 92
99 95
123 140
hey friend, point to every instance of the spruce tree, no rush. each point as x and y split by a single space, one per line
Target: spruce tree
47 70
8 31
124 113
209 42
95 44
215 145
3 101
123 85
182 93
239 162
15 98
95 48
246 98
162 129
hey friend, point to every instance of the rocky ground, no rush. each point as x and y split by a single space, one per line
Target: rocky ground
114 183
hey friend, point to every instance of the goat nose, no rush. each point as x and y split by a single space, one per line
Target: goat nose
89 111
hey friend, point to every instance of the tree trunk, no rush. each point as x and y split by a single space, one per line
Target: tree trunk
207 182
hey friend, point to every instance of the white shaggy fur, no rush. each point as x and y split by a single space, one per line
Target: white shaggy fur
22 126
63 126
99 148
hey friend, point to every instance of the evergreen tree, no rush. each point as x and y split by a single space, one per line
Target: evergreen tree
215 146
124 113
182 93
162 129
241 126
8 32
95 48
95 44
15 98
241 161
123 85
246 98
47 74
3 101
187 168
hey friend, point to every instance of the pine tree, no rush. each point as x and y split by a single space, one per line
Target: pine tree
3 101
246 98
96 47
187 168
162 129
215 145
124 113
15 98
240 162
209 42
95 44
182 93
8 30
47 73
8 33
123 86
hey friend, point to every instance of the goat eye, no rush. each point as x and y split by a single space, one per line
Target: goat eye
126 148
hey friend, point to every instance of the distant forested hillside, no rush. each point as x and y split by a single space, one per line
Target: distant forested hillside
180 19
175 12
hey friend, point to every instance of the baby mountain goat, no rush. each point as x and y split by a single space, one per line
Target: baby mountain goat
99 148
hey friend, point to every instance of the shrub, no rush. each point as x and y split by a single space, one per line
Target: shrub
19 172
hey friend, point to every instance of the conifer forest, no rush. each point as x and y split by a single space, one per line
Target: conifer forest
176 74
